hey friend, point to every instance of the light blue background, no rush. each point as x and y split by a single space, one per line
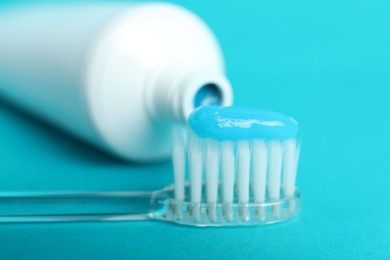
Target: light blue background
327 63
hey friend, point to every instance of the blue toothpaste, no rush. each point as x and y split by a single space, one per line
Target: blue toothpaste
237 123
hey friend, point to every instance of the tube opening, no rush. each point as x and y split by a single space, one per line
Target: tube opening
208 94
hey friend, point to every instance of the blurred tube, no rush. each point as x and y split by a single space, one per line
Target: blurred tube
115 75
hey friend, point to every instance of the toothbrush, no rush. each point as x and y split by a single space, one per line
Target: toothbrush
242 167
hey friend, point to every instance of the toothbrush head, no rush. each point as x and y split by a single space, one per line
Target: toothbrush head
242 165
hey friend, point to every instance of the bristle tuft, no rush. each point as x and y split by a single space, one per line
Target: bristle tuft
236 176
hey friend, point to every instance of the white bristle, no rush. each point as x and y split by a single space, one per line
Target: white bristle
291 157
289 167
243 173
196 173
179 160
212 178
297 154
228 168
274 172
259 171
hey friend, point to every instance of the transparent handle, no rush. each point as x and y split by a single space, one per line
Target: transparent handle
19 207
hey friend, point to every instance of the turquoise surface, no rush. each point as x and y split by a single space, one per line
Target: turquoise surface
326 63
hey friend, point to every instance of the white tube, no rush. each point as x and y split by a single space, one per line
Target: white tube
115 75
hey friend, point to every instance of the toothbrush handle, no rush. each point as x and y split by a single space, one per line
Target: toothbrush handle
22 207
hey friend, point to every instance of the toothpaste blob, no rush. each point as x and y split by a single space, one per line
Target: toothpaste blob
237 123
